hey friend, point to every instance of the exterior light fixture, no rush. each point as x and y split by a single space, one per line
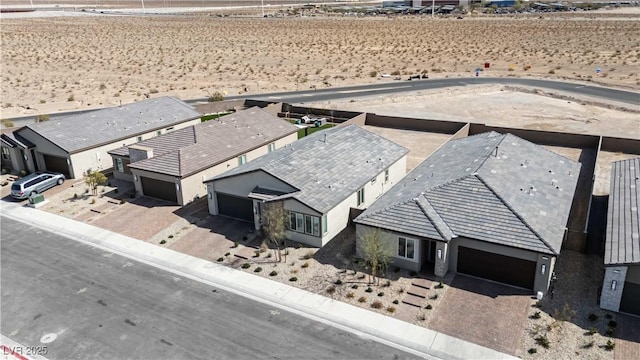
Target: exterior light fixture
439 253
614 284
543 269
135 178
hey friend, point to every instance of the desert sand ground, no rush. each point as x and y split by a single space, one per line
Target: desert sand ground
53 64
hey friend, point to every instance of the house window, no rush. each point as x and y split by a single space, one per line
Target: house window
324 224
5 153
386 176
139 138
242 159
306 224
360 196
271 147
117 163
406 248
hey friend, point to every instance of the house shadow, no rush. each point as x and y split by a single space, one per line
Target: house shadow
485 287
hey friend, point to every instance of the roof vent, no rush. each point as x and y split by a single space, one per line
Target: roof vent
550 171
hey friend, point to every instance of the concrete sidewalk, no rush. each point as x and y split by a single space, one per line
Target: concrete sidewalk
390 331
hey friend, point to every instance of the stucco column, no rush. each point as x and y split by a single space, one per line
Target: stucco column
212 201
442 259
544 269
612 286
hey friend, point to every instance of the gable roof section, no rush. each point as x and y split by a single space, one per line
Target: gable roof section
186 151
88 130
491 187
623 219
327 166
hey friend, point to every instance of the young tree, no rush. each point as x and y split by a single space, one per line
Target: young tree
273 221
93 179
376 250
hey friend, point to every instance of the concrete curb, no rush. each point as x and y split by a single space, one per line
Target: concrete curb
407 337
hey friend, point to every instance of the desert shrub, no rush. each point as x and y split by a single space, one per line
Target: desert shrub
338 282
396 301
42 118
153 91
433 297
235 244
369 289
543 341
93 201
396 73
305 265
538 304
401 290
354 286
7 123
75 196
361 276
220 259
593 317
257 270
428 307
532 350
246 265
71 98
216 96
227 254
293 278
386 283
170 236
564 314
610 331
244 238
592 330
331 289
391 309
350 295
362 299
439 285
256 253
610 345
273 273
612 323
163 241
552 71
381 294
536 315
376 304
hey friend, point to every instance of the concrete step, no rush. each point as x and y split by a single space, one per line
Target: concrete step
418 291
423 283
413 300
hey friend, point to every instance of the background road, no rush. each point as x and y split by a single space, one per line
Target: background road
104 306
387 87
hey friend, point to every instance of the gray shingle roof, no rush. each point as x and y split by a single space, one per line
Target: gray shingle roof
623 219
88 130
491 187
186 151
327 166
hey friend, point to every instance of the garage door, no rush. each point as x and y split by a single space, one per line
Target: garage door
496 267
56 164
159 189
630 302
235 207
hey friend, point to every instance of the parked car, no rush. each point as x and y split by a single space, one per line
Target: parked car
35 183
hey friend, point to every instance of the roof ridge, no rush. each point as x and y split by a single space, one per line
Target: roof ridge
433 222
503 201
489 155
378 211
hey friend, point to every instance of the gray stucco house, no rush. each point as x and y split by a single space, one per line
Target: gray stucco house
490 205
77 143
318 179
621 285
173 166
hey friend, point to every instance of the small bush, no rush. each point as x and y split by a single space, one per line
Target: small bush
75 196
532 351
593 317
362 299
536 315
610 345
381 294
428 307
422 317
153 91
244 238
401 290
293 278
122 201
268 255
93 201
257 270
163 241
273 273
433 297
331 289
246 265
543 341
376 304
227 254
591 331
373 74
552 71
220 259
305 264
369 289
361 276
387 283
170 236
612 323
354 286
235 244
396 301
338 282
538 304
391 309
350 295
439 285
610 331
256 253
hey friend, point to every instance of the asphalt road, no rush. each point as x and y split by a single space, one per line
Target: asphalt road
386 87
99 305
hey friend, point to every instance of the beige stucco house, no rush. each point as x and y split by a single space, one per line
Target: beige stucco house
173 166
490 205
318 179
77 143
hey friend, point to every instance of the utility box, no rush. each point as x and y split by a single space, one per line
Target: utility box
36 199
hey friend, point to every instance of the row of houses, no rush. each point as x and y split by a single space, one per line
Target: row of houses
489 205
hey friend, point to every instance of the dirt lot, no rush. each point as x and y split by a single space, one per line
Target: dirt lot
50 64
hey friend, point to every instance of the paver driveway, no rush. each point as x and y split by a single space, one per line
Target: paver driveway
484 313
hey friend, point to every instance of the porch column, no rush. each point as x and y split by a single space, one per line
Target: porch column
442 259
